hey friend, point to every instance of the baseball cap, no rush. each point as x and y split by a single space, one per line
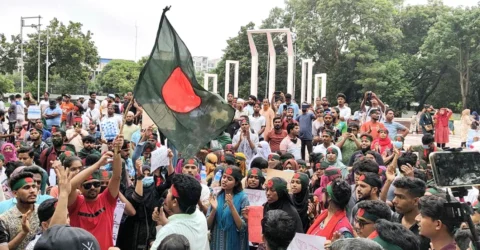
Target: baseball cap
67 95
111 96
66 237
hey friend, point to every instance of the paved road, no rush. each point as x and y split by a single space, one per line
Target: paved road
416 139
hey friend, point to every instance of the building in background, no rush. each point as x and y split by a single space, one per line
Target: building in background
203 64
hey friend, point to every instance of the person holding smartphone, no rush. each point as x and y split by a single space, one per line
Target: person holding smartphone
288 104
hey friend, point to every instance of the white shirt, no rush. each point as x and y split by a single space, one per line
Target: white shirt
290 147
90 115
346 112
44 105
322 149
192 226
257 123
205 195
85 104
2 105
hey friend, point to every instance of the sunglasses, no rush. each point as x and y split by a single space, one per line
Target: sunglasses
89 185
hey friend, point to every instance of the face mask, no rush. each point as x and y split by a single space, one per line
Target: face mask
398 144
425 146
57 142
147 181
277 127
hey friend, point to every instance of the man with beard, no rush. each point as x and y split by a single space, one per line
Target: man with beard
93 210
20 224
292 144
367 214
251 101
51 154
45 134
365 144
186 219
52 115
373 126
36 143
325 104
328 141
75 135
88 147
371 98
328 125
368 187
129 128
288 118
275 137
93 132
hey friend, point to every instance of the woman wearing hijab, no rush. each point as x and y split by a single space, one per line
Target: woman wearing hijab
333 161
299 186
263 151
255 179
442 132
302 167
9 152
278 198
290 165
466 122
334 218
225 216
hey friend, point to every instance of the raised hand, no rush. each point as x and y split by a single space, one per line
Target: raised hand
26 221
213 201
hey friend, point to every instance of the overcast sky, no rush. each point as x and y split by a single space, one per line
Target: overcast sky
204 25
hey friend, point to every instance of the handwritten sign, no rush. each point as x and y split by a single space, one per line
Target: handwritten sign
255 216
307 242
159 158
117 219
256 197
34 112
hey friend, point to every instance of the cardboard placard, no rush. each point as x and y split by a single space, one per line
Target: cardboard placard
117 219
159 158
34 112
307 242
255 216
286 175
256 197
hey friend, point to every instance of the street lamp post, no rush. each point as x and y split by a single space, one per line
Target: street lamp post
47 64
22 24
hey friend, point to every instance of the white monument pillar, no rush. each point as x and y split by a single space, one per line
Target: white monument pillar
254 52
323 93
307 68
205 82
227 77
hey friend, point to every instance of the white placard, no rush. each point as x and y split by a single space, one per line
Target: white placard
256 197
159 158
307 242
34 112
52 178
117 219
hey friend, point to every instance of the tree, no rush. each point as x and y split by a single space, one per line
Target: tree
454 40
72 54
6 83
9 52
119 76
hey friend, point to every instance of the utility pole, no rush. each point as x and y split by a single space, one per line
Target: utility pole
47 64
22 24
136 32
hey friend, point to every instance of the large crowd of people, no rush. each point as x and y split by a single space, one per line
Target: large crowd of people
95 174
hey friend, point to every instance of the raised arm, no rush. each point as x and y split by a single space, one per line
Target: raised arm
60 216
114 183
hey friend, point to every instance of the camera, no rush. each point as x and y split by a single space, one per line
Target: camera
456 168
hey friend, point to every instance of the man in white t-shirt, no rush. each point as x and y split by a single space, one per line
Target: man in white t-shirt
45 102
257 121
106 103
92 114
93 96
345 111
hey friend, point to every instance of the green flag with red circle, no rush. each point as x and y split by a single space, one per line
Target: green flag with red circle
187 114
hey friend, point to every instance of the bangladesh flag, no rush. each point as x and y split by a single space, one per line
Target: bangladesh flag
187 114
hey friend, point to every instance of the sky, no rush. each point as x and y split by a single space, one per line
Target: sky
204 25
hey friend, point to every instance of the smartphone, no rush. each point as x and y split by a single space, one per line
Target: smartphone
349 130
456 169
310 198
285 107
277 92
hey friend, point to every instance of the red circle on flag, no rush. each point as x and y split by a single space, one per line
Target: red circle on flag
229 171
270 184
254 171
361 178
178 93
296 176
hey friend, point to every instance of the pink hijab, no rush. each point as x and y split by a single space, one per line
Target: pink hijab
9 156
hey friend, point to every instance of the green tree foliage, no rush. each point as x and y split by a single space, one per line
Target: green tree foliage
119 76
9 52
7 83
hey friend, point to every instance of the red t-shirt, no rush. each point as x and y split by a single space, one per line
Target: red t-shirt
95 216
275 139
